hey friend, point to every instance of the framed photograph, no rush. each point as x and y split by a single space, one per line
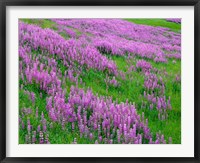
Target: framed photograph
113 81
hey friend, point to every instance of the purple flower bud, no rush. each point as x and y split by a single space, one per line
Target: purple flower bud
44 128
33 139
145 94
29 128
32 97
42 116
38 128
100 139
151 106
91 136
41 140
150 141
28 122
73 126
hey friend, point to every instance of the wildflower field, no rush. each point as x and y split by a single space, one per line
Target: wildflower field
99 81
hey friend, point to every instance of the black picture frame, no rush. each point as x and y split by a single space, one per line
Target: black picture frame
5 3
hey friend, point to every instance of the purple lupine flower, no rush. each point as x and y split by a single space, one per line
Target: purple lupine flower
38 128
42 116
159 104
151 106
33 139
145 94
150 141
169 104
44 128
33 97
41 137
100 139
29 128
144 65
175 20
73 126
91 136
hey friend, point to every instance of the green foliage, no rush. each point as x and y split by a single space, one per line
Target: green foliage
157 22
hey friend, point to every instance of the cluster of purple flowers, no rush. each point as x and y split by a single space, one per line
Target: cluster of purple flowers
51 43
118 37
155 94
108 118
34 135
175 20
144 65
69 32
97 118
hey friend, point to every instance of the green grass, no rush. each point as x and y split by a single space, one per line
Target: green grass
128 89
157 22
